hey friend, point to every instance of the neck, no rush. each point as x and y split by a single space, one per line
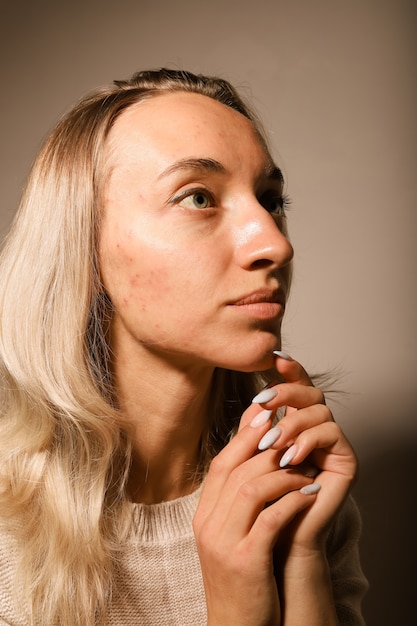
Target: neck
166 411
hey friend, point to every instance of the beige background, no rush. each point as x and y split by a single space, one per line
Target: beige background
335 82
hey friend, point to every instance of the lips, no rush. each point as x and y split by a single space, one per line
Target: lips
259 296
262 304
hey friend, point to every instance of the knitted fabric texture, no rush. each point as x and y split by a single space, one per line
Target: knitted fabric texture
158 581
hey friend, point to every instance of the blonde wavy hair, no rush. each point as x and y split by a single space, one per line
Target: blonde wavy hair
65 455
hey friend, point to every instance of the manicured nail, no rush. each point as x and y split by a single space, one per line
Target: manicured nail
261 418
270 438
283 355
265 395
309 490
288 456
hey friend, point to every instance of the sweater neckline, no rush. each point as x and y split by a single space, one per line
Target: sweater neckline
164 521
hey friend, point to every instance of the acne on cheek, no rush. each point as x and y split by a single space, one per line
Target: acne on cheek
137 276
147 287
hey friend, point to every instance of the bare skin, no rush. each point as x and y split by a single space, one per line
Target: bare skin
195 259
243 544
185 235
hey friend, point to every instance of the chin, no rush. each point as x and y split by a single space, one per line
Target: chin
256 361
267 362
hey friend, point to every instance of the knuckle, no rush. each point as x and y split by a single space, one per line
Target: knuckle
334 428
248 491
271 519
205 535
280 514
321 399
326 413
319 414
219 465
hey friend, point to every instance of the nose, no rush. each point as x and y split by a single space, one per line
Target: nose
260 241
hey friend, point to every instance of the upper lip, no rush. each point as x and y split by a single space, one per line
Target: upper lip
261 295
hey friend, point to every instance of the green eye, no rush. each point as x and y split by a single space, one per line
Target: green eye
196 200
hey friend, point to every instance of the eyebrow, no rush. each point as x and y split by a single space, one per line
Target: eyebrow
271 172
204 165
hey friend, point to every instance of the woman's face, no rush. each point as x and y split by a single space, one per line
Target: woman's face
192 251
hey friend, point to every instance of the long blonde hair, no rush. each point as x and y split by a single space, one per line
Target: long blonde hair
64 455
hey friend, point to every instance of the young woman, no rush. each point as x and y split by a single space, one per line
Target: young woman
144 476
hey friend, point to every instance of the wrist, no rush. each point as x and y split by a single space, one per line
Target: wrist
305 590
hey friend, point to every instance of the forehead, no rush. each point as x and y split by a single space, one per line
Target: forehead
183 124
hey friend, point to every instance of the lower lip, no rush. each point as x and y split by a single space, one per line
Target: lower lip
261 310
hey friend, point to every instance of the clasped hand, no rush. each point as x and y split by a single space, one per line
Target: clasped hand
265 509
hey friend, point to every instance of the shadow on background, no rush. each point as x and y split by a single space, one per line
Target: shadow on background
385 494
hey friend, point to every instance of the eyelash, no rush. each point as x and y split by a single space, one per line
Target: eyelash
189 193
282 201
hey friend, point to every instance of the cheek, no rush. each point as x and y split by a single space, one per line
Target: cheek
154 274
140 277
148 287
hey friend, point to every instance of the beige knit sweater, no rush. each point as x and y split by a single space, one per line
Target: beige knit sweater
159 582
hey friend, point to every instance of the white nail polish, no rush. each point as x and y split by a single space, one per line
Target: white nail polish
309 490
265 395
261 418
283 355
288 456
270 438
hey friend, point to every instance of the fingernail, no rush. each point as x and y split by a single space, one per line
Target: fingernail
309 490
265 395
261 418
270 438
283 355
288 456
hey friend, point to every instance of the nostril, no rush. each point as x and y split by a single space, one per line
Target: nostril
261 263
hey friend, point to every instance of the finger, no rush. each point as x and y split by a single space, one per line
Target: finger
239 450
326 446
253 410
291 370
291 394
251 498
251 470
291 426
302 395
275 518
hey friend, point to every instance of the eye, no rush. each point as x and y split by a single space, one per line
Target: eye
195 199
275 203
